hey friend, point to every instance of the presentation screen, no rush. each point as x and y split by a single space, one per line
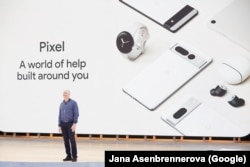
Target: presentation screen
47 47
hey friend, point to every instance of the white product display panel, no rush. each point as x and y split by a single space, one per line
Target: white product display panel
47 46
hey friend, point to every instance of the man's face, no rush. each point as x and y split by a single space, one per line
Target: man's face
66 95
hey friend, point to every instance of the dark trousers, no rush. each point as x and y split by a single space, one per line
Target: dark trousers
69 140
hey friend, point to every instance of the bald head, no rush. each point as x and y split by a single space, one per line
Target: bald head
66 95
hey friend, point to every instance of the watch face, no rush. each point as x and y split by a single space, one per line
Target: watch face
124 42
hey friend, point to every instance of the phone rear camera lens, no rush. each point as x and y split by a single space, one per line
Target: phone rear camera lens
180 113
181 50
191 56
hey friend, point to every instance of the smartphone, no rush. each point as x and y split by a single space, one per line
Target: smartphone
192 117
168 73
171 14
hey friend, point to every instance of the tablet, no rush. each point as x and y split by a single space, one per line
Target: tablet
233 22
166 75
192 117
171 14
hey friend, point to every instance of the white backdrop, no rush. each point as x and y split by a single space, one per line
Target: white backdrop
89 29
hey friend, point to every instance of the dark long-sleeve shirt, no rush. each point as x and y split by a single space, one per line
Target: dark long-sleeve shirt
68 112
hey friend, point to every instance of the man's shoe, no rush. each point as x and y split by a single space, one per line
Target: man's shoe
74 159
67 159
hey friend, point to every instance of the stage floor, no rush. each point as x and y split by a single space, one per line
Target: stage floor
23 149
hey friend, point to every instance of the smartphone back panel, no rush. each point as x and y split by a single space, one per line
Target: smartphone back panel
165 75
193 117
171 14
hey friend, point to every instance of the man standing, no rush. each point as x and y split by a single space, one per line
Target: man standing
68 117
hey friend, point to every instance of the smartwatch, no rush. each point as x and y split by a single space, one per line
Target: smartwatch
132 42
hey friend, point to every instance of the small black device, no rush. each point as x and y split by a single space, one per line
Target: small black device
235 101
220 91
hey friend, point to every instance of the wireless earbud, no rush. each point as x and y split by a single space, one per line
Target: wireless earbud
220 90
235 101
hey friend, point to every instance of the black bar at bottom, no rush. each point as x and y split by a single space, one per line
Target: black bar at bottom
176 158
